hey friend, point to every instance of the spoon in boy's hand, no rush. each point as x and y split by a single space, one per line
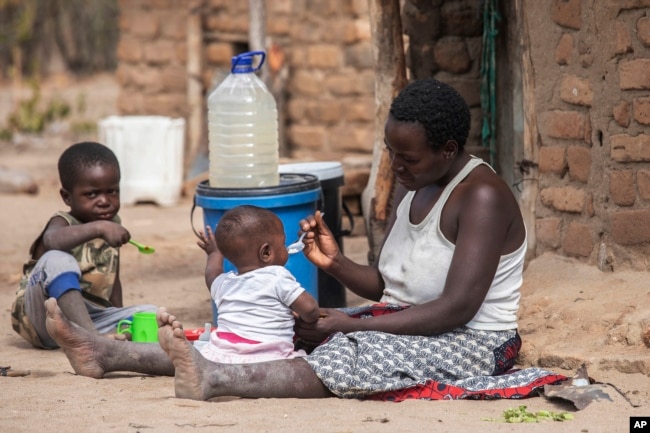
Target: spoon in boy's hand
144 249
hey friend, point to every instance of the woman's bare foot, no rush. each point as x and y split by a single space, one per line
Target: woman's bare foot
78 344
189 364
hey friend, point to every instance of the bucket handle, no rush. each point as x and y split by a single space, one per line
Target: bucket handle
341 233
348 212
192 218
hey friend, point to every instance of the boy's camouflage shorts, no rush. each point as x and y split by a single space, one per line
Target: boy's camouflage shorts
21 323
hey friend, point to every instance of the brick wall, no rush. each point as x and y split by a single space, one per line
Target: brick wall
152 56
592 75
591 67
329 110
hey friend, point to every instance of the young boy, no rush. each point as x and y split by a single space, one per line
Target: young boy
257 303
76 257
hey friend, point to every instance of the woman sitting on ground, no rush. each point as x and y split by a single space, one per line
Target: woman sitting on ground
447 279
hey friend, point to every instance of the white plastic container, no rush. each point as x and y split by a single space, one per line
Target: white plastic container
243 129
150 152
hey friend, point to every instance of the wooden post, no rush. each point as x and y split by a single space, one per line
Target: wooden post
530 187
196 121
390 78
17 75
257 32
277 83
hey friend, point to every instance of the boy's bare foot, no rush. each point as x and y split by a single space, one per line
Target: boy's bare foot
188 362
77 343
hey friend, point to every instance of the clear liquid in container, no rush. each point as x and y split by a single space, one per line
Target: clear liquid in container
243 129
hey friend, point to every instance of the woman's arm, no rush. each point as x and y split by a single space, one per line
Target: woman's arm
482 219
322 250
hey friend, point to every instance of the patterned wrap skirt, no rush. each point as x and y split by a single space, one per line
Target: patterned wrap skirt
462 363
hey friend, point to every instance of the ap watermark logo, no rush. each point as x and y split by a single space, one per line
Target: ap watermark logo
639 424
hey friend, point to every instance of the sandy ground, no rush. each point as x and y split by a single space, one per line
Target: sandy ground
571 314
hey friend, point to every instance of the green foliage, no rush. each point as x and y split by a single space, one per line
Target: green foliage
83 127
26 22
5 134
521 415
18 20
81 103
85 34
30 117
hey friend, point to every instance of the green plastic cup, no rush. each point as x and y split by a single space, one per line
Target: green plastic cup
143 327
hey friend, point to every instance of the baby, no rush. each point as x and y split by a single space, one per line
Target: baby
256 304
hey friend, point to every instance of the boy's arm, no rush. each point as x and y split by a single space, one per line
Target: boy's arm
306 307
116 295
60 236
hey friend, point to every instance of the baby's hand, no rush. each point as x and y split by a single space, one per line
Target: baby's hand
207 241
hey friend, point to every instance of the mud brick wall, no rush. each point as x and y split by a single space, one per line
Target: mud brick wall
329 109
593 102
152 56
590 70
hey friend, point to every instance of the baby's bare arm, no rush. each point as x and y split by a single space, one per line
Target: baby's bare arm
306 307
214 264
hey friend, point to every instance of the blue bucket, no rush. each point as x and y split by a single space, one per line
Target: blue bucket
293 199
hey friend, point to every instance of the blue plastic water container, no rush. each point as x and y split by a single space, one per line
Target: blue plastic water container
293 199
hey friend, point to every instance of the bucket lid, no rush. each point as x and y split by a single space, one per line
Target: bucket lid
324 170
289 183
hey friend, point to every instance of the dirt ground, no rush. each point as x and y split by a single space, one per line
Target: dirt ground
571 314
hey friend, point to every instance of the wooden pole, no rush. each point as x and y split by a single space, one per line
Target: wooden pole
530 187
257 32
277 83
390 78
17 75
196 122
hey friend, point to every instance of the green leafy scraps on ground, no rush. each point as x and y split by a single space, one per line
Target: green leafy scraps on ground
520 414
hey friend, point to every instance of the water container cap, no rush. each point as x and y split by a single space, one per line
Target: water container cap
243 63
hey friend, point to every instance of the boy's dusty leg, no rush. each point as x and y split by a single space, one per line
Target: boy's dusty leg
74 309
200 379
93 355
77 343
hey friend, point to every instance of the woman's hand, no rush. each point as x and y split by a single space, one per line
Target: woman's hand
330 321
320 244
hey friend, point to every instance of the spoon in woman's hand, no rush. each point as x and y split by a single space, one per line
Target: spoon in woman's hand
298 246
144 249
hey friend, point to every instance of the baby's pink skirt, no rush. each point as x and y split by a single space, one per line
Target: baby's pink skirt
226 352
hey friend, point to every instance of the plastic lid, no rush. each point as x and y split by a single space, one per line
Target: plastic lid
243 63
289 184
324 170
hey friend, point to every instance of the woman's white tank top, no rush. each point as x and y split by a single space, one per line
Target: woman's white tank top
415 259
